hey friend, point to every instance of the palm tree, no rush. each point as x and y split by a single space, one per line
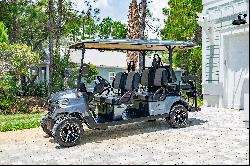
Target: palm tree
143 12
133 30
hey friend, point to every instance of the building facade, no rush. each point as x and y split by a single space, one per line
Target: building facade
225 25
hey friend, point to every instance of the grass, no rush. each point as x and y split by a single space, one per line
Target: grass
20 121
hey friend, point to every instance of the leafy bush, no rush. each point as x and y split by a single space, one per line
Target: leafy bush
27 105
35 89
8 89
5 103
3 33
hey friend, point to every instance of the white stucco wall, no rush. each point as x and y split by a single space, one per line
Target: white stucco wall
219 15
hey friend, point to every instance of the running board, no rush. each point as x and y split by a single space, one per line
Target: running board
116 123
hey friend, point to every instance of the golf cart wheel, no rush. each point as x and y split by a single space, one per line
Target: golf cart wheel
44 126
178 116
67 132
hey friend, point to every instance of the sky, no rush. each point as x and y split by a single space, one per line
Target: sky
118 9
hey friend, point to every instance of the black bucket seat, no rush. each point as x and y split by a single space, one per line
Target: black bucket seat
160 82
132 84
118 84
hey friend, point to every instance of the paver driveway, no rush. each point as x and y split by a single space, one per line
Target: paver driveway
213 136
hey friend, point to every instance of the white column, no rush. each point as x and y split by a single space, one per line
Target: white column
47 73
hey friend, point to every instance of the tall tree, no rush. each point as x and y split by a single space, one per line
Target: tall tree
89 16
109 28
119 30
133 30
143 12
26 21
59 22
182 25
105 28
51 43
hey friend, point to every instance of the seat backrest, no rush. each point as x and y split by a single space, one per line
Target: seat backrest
161 77
145 77
171 74
133 80
120 81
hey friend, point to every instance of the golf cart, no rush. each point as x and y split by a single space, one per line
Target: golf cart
132 97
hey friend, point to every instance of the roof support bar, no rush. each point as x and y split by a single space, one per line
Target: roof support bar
143 60
81 68
170 50
170 58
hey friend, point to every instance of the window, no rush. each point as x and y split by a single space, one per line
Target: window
111 76
43 74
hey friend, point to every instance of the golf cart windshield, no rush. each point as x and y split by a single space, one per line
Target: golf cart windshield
132 45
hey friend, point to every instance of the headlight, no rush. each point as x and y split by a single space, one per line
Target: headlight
63 102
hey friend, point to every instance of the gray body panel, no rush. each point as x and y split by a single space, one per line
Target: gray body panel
77 103
163 107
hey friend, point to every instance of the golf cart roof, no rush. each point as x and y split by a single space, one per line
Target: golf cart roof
132 45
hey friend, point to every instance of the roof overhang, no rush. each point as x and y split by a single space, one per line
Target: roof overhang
132 45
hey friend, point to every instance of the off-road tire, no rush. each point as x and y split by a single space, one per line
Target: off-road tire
44 125
67 131
178 116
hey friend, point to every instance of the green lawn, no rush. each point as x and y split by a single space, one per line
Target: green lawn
20 121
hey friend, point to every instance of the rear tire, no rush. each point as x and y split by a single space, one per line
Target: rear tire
67 131
178 116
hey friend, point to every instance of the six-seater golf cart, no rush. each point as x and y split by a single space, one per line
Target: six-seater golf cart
132 97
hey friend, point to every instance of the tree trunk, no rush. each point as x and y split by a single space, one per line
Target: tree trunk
13 33
51 44
133 31
59 23
143 18
142 31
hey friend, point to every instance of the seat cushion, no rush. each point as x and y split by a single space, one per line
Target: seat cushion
145 96
114 100
100 98
186 87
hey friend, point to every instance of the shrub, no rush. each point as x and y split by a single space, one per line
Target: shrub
35 89
29 105
5 103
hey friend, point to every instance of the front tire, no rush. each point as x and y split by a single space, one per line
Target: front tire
44 126
67 132
178 116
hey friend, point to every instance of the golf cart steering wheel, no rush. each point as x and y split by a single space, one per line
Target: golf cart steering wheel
103 81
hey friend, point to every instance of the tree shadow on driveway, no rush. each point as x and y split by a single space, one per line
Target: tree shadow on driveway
127 130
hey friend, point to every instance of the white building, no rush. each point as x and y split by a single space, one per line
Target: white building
225 54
